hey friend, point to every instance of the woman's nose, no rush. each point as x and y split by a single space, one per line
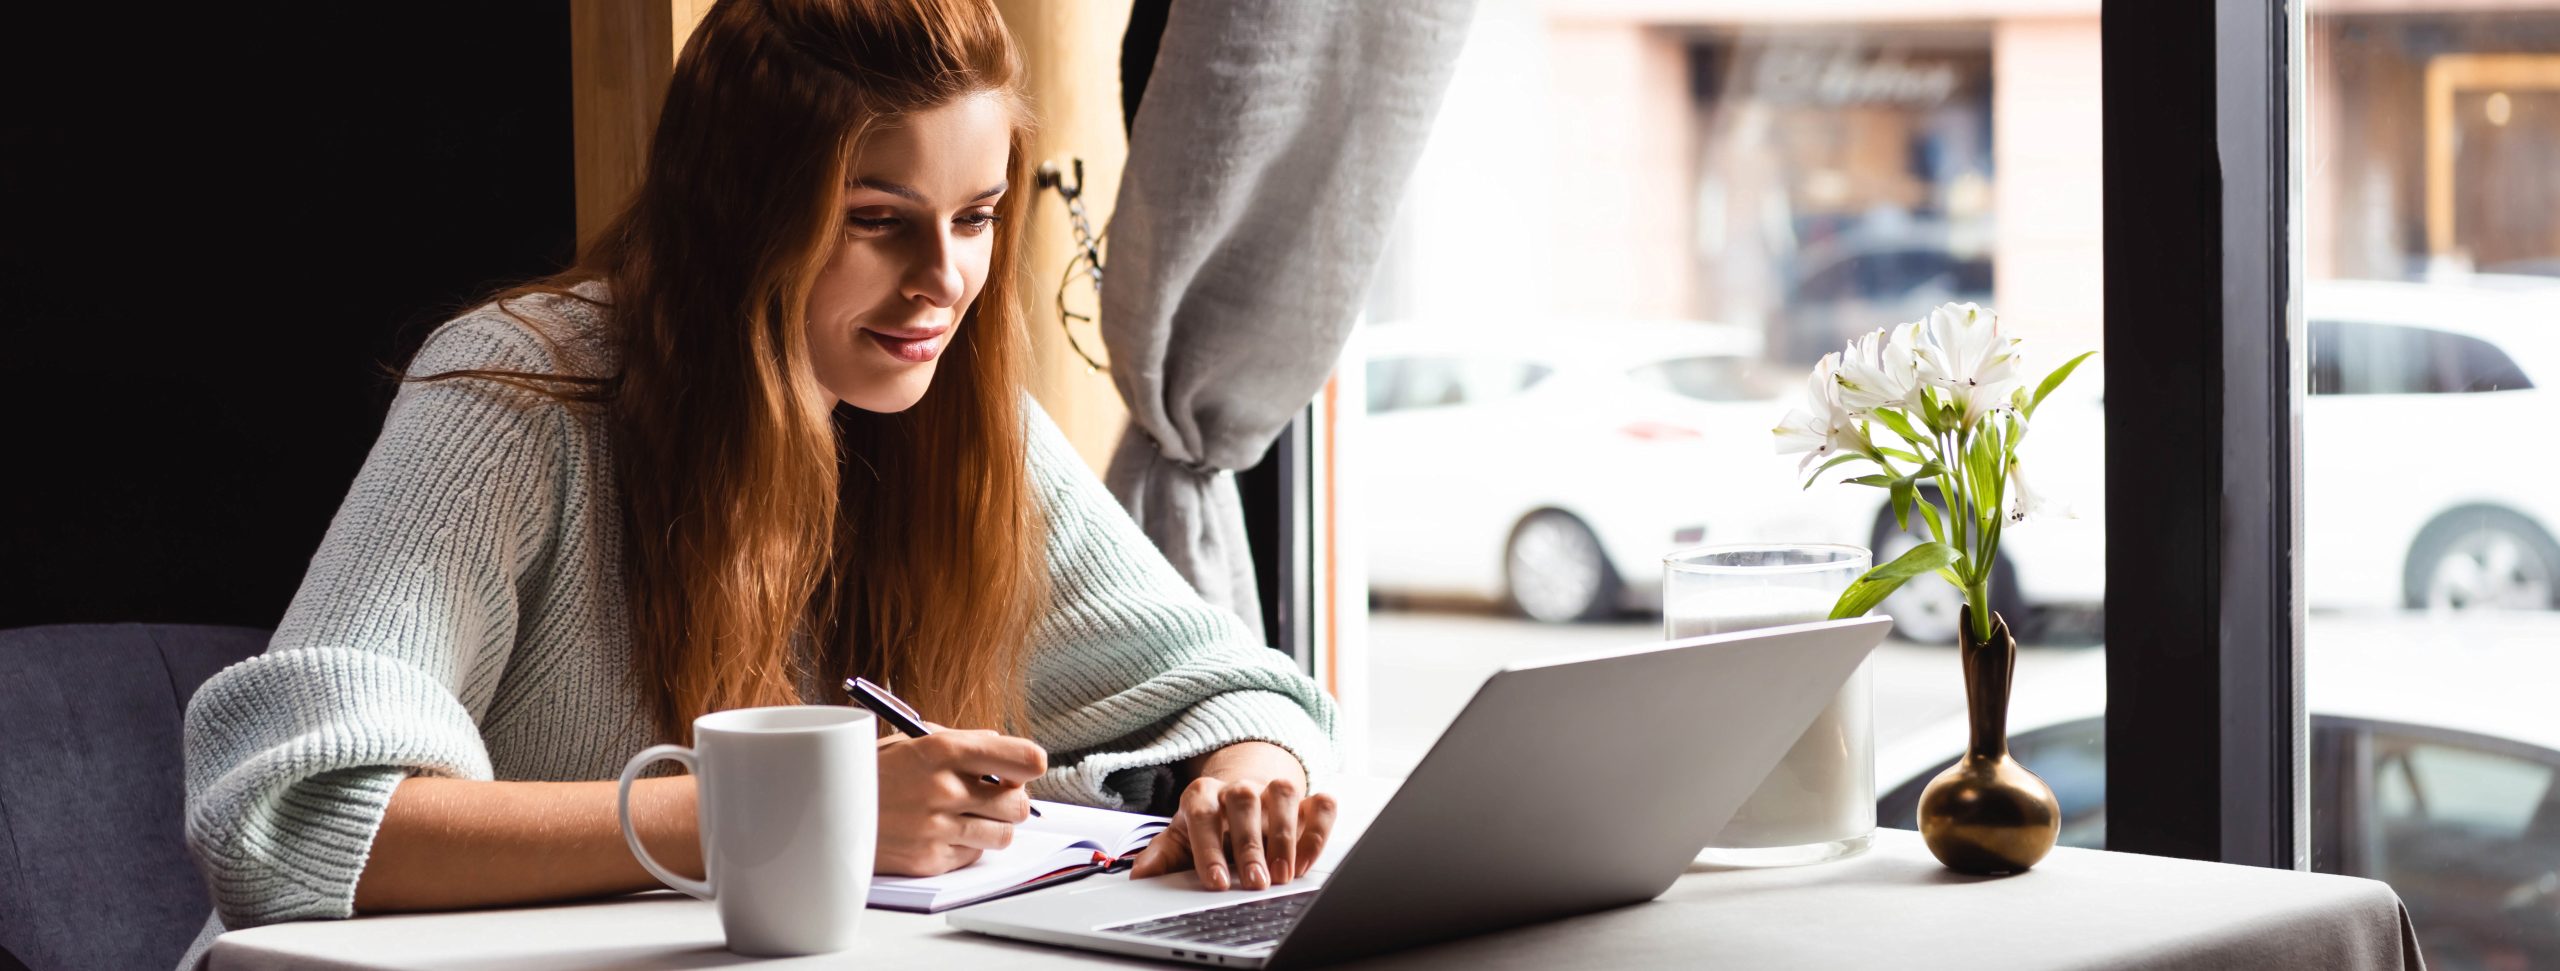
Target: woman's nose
935 277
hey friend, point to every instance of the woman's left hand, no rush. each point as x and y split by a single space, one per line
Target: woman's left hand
1247 814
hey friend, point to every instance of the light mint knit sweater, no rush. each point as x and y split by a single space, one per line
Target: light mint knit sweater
465 618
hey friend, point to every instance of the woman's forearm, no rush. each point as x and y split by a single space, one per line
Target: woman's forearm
454 843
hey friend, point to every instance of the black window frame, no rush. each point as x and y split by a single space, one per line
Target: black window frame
2207 737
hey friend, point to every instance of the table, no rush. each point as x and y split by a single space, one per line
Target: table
1892 906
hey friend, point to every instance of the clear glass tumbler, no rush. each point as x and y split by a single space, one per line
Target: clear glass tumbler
1820 802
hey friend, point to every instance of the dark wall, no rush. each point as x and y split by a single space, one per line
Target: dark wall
216 228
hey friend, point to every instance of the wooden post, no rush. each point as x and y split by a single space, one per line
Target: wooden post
1071 55
620 55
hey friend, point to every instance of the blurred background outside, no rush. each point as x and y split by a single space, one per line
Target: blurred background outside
1640 221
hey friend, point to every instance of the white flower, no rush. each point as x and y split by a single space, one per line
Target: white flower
2025 503
1823 427
1962 353
1881 370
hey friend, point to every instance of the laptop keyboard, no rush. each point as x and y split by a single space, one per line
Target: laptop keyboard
1253 923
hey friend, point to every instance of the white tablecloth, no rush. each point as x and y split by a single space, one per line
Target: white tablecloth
1890 907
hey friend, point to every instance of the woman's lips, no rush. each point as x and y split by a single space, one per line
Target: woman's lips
911 346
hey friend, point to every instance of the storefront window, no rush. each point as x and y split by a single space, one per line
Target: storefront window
2431 203
1634 229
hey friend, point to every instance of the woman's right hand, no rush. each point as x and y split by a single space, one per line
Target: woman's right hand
936 814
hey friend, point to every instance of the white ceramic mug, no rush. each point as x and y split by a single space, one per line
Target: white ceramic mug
790 818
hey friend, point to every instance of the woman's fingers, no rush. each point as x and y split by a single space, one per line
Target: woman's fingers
976 753
1244 835
1315 826
1201 809
1280 829
1241 803
1169 851
981 833
1010 804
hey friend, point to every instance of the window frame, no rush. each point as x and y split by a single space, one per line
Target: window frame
2207 735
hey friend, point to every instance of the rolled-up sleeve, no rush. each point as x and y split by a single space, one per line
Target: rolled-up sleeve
393 644
1131 671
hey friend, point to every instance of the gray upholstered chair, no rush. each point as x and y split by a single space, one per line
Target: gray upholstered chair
93 861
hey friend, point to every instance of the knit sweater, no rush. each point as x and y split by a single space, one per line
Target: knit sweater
465 618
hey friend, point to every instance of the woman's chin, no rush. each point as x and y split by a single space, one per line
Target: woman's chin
892 394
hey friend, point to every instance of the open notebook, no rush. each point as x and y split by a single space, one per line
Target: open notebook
1063 843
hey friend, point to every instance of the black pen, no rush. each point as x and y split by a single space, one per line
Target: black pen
900 716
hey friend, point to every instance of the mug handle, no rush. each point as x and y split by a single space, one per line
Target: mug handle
679 753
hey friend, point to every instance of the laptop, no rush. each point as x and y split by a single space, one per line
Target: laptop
1566 786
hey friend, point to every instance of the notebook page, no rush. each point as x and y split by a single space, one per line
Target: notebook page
1115 832
1032 855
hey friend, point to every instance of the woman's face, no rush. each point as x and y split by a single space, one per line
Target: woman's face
918 209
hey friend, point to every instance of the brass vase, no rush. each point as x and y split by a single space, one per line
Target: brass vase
1987 814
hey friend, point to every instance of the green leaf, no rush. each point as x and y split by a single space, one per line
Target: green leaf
1891 452
1929 511
1867 591
1836 461
2054 380
1906 491
1878 480
1901 425
1968 503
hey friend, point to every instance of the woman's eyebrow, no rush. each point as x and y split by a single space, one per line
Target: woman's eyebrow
909 193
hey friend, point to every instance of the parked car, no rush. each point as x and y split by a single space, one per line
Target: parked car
2417 390
2445 372
1551 468
2435 767
1874 273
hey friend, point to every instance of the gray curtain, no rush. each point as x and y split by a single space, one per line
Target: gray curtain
1265 163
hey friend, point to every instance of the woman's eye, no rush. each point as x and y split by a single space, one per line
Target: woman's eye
977 222
863 224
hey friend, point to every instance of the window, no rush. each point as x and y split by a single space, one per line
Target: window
2466 827
2483 796
2431 223
1716 194
2350 357
1397 384
1718 378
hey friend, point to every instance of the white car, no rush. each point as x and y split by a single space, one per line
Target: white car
1553 467
2415 390
2426 480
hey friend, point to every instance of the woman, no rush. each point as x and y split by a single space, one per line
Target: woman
769 432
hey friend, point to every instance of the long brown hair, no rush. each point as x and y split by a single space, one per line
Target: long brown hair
904 547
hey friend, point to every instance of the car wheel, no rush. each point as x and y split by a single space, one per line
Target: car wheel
1929 610
1556 571
2482 558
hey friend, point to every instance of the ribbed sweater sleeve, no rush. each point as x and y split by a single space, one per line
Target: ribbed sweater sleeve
393 645
1131 671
